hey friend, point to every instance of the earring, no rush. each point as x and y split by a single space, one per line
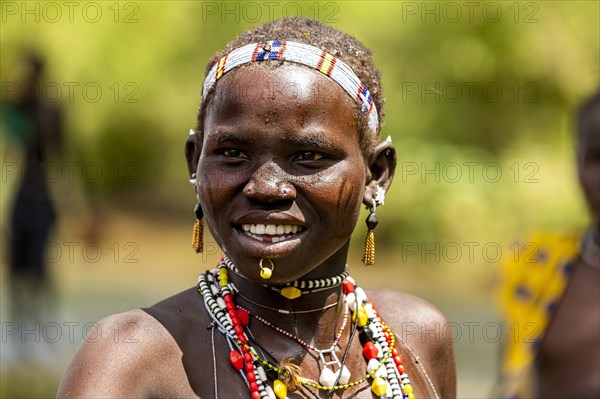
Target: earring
368 258
198 234
265 272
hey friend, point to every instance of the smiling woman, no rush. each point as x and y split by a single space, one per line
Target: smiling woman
285 153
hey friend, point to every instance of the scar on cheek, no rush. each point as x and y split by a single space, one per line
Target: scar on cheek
344 203
209 196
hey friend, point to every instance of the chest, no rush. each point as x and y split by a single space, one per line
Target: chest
223 381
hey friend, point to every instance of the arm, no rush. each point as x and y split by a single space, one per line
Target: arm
124 355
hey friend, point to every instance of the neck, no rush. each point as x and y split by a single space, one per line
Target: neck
314 317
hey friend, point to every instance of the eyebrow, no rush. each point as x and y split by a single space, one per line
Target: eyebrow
307 140
312 140
222 138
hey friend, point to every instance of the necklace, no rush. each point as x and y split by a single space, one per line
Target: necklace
328 377
284 311
295 289
384 365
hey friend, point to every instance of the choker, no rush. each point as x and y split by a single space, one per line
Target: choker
385 369
298 288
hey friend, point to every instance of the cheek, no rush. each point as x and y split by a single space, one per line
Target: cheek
215 190
340 193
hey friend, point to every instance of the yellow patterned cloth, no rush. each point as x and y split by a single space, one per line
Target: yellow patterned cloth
534 276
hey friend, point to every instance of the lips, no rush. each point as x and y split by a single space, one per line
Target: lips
271 233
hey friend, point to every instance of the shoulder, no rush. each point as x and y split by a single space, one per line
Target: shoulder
400 307
130 354
423 333
180 313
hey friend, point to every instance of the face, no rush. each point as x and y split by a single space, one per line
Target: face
280 173
588 155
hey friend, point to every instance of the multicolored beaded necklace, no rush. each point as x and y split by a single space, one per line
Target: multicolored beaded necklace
384 365
328 377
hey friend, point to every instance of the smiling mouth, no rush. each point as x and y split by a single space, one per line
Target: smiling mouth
271 233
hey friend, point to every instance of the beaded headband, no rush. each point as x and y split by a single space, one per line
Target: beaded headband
300 53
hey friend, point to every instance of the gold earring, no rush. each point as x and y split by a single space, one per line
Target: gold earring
198 234
368 258
265 272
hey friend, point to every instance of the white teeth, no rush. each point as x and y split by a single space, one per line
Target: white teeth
279 232
271 229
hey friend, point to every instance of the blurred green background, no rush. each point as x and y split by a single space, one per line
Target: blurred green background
480 102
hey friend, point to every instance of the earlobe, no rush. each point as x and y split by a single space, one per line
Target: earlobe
382 165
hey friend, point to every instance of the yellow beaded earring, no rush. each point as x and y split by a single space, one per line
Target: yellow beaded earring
368 258
198 234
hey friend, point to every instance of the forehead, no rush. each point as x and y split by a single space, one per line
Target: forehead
281 96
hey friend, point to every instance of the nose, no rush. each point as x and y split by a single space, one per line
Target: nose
270 184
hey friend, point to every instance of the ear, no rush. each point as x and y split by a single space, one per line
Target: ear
381 168
193 148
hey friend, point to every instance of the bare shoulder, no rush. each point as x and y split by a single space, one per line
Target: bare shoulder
402 308
423 332
125 355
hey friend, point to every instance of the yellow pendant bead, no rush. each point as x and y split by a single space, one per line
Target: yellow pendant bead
410 396
266 273
379 387
408 389
362 316
280 389
291 292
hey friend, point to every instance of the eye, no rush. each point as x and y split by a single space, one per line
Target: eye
309 156
233 153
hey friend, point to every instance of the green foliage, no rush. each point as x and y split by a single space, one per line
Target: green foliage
490 85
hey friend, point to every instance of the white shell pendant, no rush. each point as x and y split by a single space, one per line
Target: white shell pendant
327 378
372 364
345 375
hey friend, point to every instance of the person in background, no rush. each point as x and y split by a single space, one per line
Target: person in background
34 128
550 295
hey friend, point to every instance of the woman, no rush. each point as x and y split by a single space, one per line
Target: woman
282 158
550 295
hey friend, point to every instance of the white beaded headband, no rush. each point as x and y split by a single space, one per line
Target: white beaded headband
303 54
